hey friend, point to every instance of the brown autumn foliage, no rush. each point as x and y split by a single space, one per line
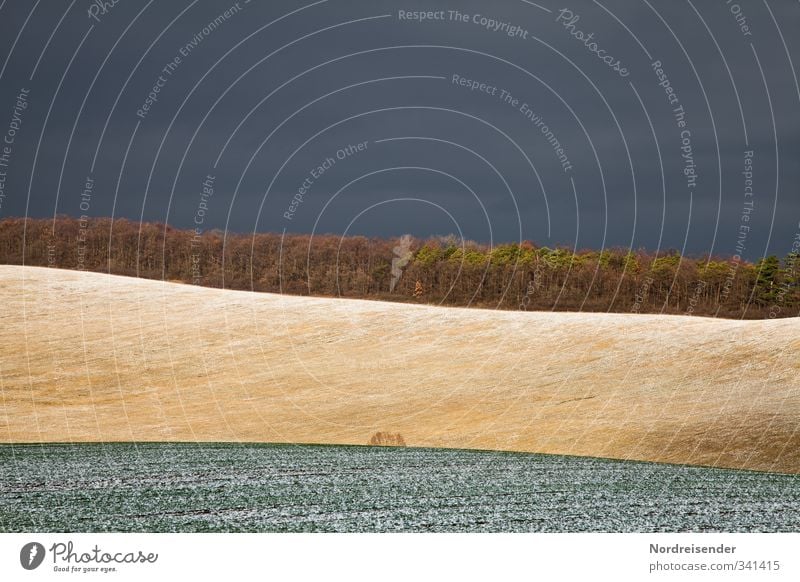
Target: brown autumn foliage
451 272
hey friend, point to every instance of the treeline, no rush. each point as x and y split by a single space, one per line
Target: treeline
438 270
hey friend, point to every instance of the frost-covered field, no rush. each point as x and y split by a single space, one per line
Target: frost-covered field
229 487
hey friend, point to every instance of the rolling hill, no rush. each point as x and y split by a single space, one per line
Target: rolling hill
92 357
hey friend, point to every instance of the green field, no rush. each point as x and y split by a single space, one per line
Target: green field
279 488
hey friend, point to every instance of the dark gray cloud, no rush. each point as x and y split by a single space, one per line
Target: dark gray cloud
258 106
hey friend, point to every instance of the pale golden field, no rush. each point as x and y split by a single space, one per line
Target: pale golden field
89 357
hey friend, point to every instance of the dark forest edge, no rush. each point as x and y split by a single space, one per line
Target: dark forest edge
439 270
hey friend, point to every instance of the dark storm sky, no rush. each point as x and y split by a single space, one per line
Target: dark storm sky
276 88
